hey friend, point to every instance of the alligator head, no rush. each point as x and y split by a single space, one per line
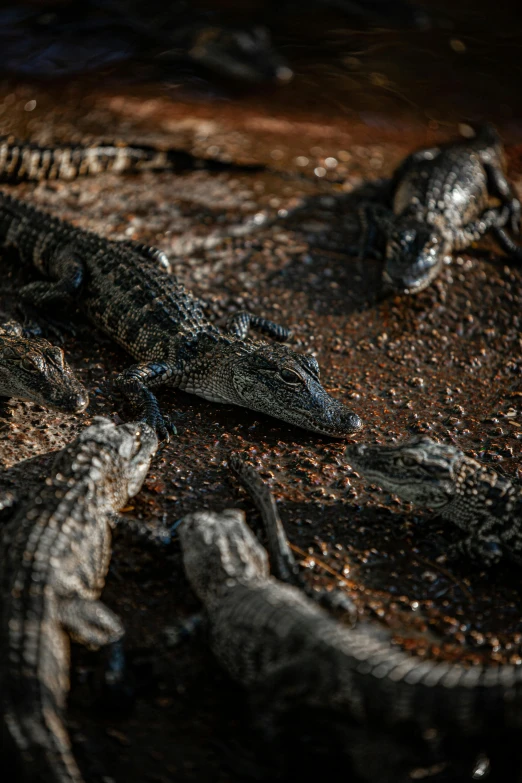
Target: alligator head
117 456
220 549
415 254
420 471
32 369
275 380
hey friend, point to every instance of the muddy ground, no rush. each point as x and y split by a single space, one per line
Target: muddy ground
446 363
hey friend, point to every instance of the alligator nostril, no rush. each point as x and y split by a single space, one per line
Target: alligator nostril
351 422
79 403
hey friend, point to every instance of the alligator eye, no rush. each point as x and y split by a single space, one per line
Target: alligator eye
409 462
29 365
289 376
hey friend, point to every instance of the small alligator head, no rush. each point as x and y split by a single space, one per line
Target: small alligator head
219 550
415 254
118 457
245 55
275 380
420 471
32 369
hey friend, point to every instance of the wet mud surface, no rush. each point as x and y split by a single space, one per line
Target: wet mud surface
447 363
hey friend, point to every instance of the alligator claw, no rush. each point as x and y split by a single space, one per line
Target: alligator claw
163 426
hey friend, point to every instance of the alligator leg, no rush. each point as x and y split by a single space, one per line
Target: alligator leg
133 383
67 270
494 218
508 245
479 546
282 560
499 186
241 322
375 220
89 622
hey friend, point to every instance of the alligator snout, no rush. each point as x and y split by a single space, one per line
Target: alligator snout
75 402
350 421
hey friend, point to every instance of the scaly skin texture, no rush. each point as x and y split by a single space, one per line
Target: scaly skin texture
292 655
440 201
33 369
22 161
54 556
439 476
163 326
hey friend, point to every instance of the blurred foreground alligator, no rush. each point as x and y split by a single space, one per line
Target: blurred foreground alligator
291 655
126 294
54 556
32 369
26 161
439 200
434 475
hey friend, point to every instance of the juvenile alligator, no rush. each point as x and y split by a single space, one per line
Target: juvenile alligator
292 655
440 200
148 312
27 161
54 556
33 369
439 476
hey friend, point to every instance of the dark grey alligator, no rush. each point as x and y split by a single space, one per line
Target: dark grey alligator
54 556
292 655
33 369
433 475
440 200
160 323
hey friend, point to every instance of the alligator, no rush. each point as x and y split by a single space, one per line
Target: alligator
32 369
54 556
27 161
439 200
290 654
439 476
131 298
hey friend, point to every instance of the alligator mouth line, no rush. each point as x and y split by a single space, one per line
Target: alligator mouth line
326 429
414 287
